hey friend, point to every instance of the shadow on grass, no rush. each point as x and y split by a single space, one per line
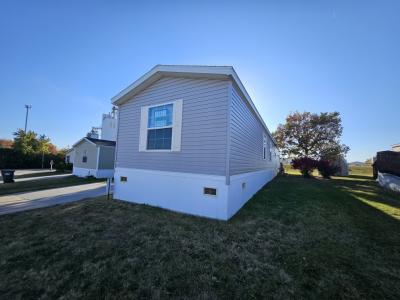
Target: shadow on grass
369 191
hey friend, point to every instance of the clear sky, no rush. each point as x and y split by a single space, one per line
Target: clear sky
68 58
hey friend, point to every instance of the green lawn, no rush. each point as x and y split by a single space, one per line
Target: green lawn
365 170
297 238
361 170
35 185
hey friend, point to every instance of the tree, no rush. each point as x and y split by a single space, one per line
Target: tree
43 146
25 142
316 136
305 164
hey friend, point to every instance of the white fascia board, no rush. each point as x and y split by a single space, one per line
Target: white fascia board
204 71
81 140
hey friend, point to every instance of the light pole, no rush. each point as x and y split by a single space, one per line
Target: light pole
27 106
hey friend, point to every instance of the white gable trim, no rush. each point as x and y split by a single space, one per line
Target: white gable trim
216 72
81 140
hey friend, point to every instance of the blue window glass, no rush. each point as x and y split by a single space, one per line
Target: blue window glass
160 116
159 139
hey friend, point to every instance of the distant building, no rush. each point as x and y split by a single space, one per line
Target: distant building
94 154
94 157
109 127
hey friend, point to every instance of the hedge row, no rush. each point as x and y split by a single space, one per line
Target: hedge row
11 159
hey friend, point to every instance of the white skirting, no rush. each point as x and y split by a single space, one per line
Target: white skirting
183 192
243 186
98 173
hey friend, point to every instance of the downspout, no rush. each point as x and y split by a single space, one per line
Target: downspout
228 136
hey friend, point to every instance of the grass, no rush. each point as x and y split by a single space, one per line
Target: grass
297 238
365 170
35 185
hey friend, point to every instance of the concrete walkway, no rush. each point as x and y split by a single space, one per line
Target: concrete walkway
30 200
42 177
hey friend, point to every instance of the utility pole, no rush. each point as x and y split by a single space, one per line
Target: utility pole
28 107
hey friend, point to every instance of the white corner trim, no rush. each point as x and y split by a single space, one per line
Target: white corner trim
98 157
176 125
144 112
228 136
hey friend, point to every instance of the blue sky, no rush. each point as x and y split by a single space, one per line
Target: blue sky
68 58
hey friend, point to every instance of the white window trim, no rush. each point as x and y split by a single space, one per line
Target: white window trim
177 107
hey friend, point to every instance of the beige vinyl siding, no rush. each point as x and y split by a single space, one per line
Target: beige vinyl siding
204 127
246 139
91 151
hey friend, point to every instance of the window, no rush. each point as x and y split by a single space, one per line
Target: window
123 179
84 157
264 146
160 127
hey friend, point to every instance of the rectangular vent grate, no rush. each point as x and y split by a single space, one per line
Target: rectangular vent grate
210 191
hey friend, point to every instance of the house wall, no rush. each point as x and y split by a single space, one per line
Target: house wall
106 157
204 127
91 153
246 139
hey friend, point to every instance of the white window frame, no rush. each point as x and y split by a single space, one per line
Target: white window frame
177 108
160 127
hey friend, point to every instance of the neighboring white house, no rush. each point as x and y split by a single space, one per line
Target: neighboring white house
191 140
94 157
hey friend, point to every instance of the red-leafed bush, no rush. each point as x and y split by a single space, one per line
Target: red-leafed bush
327 168
305 164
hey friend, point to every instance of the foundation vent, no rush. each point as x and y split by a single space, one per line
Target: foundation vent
210 191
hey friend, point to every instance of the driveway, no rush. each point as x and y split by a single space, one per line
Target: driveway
30 200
